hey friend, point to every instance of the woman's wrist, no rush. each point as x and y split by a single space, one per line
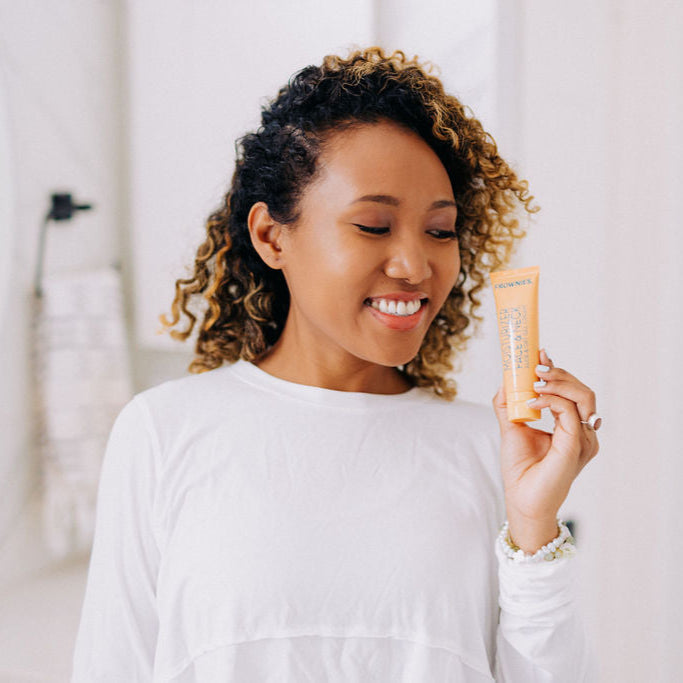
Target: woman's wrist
531 535
561 545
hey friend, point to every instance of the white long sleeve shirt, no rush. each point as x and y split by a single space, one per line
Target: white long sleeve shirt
251 529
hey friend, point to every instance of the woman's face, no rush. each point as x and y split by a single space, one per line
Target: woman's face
379 176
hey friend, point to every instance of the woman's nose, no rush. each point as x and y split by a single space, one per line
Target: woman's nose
409 260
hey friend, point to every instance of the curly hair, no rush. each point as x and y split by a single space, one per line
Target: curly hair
248 301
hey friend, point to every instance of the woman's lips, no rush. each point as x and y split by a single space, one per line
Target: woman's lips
398 322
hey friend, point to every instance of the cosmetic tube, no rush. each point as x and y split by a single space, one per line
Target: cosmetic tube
516 296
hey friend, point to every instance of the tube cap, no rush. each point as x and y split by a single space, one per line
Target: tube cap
519 411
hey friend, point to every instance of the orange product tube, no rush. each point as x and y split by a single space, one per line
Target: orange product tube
516 296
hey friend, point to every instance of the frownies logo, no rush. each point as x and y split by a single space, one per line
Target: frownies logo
514 283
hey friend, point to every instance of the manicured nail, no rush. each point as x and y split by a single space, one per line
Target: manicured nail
539 384
542 368
531 400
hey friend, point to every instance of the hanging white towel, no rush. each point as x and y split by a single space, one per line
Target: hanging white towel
83 379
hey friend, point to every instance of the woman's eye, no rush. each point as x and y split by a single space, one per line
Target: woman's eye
374 231
442 234
447 234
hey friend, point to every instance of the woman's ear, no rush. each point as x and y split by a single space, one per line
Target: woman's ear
265 235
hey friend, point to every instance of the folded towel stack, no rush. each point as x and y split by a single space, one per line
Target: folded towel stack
83 379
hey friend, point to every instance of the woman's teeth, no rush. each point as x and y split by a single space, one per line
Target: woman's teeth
399 308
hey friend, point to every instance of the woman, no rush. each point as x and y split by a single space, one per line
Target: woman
322 507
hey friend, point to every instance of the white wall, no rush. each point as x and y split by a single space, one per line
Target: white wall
600 96
645 286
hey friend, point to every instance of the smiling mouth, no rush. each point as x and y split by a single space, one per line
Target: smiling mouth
423 301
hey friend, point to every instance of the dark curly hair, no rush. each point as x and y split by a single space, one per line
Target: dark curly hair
248 301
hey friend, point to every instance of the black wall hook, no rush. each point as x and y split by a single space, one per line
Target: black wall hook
62 209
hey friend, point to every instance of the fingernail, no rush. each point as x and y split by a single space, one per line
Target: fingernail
531 400
542 368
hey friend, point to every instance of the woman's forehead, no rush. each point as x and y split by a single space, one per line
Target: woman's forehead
382 158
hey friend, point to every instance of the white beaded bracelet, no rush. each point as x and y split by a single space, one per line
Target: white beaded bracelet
563 545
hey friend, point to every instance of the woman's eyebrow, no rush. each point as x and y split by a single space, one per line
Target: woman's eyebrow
395 201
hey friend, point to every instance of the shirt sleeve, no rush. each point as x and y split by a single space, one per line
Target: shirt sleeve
540 635
116 638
